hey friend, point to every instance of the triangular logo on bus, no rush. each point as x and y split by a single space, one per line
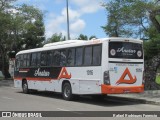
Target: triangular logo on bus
64 74
122 79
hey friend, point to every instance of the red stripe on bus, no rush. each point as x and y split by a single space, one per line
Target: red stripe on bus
36 79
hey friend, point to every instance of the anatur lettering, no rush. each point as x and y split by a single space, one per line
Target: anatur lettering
41 73
125 50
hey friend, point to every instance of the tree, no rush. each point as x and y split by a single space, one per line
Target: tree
56 38
128 18
5 33
4 4
85 37
92 37
139 19
82 37
23 29
32 32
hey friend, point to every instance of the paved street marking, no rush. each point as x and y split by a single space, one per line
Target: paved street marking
62 109
15 88
8 98
69 111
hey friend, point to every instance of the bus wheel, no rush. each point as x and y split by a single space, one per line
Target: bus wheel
25 87
67 91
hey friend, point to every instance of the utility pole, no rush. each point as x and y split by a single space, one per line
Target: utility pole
68 33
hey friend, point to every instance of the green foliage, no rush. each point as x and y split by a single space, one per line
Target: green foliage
127 18
5 23
32 27
56 38
158 18
92 37
5 4
152 47
21 30
82 37
158 79
135 18
85 37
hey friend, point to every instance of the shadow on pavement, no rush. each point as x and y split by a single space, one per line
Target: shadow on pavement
109 101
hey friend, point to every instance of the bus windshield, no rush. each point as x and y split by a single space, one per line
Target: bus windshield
125 50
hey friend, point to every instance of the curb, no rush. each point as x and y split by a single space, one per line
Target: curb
152 102
8 82
140 100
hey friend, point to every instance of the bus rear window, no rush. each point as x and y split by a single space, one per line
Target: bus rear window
126 50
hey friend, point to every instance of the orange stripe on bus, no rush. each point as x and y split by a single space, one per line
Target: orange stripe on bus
108 89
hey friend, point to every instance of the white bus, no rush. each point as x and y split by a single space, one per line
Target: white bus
75 67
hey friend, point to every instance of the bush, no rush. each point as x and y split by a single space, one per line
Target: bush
158 79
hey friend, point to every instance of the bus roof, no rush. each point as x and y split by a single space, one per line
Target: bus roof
75 43
63 43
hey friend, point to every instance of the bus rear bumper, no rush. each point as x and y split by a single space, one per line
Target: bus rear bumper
107 89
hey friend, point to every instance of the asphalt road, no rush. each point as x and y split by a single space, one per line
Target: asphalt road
12 99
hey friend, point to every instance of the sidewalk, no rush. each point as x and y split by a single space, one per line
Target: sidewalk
148 97
6 83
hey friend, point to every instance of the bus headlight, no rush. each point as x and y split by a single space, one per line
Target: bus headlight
106 78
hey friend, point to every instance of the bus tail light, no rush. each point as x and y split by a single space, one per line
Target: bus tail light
106 78
143 79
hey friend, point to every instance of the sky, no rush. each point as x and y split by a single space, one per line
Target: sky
85 16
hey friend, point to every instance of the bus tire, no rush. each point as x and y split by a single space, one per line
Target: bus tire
25 87
67 91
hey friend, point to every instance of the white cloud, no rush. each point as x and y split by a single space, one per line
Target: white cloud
77 26
56 23
88 6
73 14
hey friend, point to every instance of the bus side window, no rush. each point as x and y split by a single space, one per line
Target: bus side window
43 58
79 56
56 58
28 60
71 57
63 57
24 60
88 55
33 59
97 55
38 59
21 60
49 58
17 63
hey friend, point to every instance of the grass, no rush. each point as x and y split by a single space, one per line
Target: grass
1 78
158 79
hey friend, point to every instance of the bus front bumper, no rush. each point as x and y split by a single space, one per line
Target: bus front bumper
108 89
